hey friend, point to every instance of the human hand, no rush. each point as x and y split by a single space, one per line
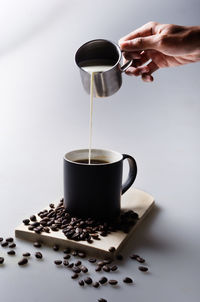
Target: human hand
165 45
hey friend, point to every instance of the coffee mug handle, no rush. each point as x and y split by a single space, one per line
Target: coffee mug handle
126 66
132 172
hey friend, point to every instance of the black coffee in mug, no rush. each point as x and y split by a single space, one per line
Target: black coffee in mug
95 189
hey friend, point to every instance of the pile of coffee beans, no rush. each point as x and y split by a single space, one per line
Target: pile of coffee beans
76 228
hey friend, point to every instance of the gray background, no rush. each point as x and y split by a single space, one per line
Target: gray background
44 112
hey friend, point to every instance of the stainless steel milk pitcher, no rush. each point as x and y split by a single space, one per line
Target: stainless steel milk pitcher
101 52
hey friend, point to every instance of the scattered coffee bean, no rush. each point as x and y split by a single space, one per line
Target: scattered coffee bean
10 239
58 262
33 218
114 268
134 256
88 280
67 256
84 269
51 205
103 280
81 254
23 261
26 254
90 240
106 268
26 221
92 260
81 283
71 265
38 255
11 252
12 246
4 244
140 260
112 249
113 282
76 269
102 300
37 244
107 261
143 268
74 276
56 247
1 239
77 263
1 260
127 280
67 250
100 263
96 284
65 263
119 257
98 268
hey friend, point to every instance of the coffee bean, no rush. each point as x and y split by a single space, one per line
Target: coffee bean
71 265
96 284
12 246
67 250
119 257
58 262
1 239
65 263
103 280
67 256
4 244
33 218
113 282
26 221
1 260
140 260
30 228
74 253
114 268
90 241
38 255
51 205
26 254
11 252
77 263
100 263
46 229
88 280
76 269
92 260
134 256
37 244
10 239
74 276
127 280
102 300
98 268
56 247
143 268
84 269
81 283
107 261
106 268
23 261
112 249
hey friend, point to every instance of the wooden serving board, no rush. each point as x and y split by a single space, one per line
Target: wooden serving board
134 199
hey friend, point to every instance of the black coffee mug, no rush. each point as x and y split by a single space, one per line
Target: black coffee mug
94 190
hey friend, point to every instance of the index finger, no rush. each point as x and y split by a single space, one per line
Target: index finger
145 30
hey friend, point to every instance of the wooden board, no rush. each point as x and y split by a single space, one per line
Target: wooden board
133 199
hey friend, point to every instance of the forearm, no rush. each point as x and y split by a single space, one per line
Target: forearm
192 40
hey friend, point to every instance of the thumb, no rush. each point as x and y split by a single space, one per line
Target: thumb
141 43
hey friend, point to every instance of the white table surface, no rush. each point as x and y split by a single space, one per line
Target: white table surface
44 112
